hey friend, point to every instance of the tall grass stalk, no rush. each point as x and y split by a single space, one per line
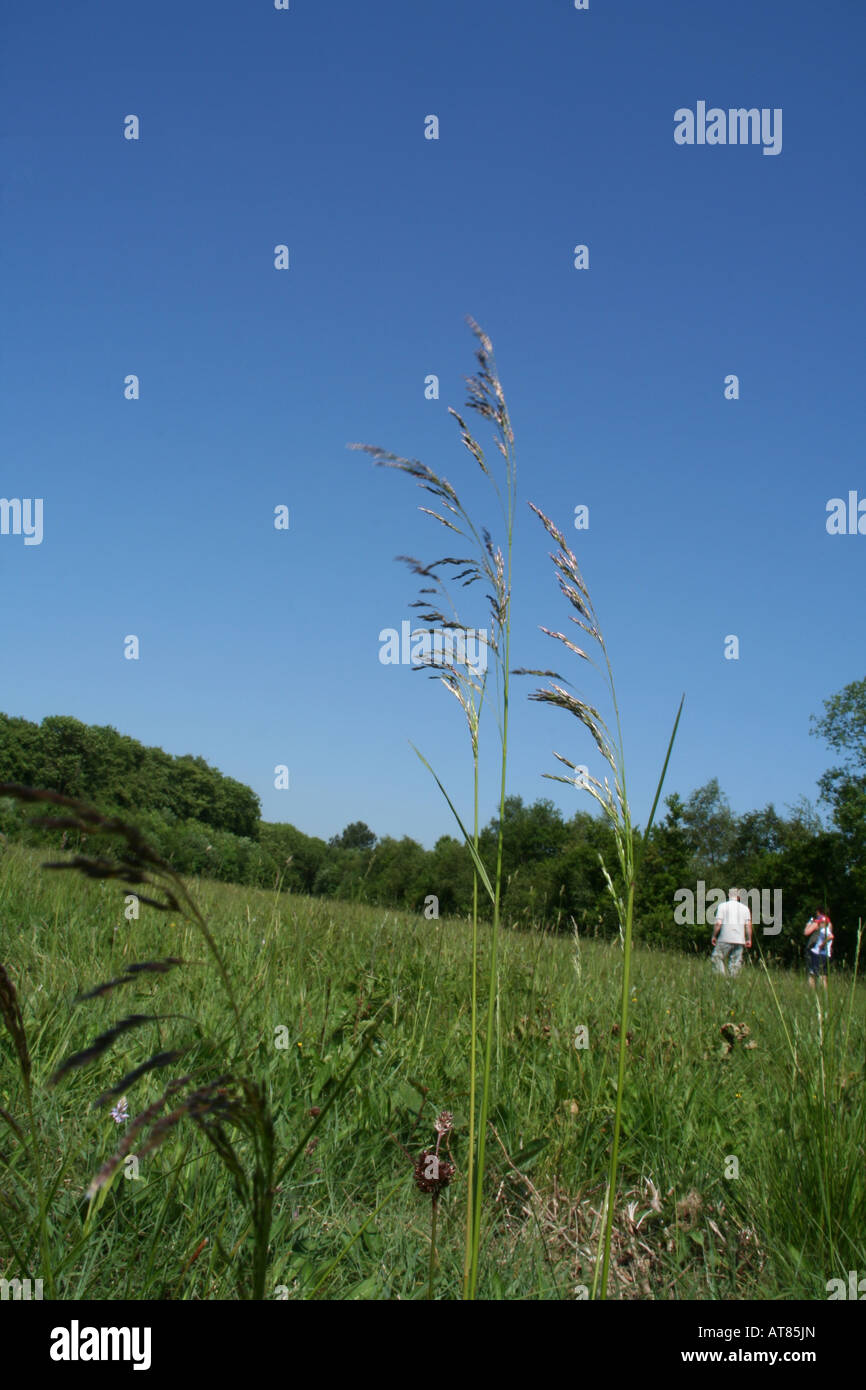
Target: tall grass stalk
615 805
492 565
431 1274
10 1012
852 992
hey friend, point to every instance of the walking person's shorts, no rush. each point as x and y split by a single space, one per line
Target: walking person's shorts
725 952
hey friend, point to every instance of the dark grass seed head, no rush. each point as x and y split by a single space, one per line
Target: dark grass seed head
10 1010
432 1173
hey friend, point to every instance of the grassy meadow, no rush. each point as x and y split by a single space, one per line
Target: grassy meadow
742 1172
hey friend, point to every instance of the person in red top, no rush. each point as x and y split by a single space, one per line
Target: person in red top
819 929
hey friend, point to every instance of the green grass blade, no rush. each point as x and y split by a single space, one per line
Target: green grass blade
476 857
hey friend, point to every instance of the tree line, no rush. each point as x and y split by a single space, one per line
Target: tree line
205 823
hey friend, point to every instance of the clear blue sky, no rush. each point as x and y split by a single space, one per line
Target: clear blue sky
155 257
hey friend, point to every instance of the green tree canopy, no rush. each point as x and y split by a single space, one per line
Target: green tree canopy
355 836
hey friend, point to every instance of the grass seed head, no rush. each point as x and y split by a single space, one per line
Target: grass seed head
10 1012
433 1173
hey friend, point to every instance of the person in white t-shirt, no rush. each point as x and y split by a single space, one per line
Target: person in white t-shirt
732 932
